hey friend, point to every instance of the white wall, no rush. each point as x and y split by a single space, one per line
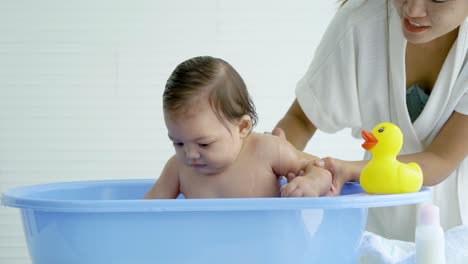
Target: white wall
81 83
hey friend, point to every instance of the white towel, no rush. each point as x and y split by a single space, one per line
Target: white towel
377 249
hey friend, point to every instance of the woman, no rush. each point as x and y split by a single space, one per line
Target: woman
403 62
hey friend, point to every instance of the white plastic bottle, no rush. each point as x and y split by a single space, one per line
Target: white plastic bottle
430 240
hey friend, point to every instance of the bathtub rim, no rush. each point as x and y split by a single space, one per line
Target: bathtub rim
17 197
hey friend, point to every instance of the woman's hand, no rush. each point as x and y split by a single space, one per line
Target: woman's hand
336 168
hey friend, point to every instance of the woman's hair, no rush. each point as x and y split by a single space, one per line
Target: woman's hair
227 92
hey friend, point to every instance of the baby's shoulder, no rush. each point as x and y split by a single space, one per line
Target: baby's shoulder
262 138
266 143
173 163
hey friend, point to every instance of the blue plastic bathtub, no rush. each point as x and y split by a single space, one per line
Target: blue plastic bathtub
98 222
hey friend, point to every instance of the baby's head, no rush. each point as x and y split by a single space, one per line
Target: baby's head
208 112
210 78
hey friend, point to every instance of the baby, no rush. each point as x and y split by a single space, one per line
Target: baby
209 116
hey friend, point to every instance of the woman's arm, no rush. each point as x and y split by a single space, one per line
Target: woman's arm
437 161
445 153
297 127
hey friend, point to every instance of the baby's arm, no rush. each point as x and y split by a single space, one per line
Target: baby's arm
167 186
286 159
342 171
314 181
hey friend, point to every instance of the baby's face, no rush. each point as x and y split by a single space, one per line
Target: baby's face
202 142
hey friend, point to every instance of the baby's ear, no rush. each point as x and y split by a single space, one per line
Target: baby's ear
245 125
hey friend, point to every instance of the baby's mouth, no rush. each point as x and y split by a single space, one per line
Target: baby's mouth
197 165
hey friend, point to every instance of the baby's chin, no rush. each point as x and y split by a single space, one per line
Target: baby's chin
203 169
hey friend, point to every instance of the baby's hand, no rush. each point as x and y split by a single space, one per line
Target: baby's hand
313 184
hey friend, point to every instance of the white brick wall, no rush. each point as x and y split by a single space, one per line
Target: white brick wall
81 82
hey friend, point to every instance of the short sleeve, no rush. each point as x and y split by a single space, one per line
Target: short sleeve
342 86
462 106
327 93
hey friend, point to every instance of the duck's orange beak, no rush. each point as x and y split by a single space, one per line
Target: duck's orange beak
369 138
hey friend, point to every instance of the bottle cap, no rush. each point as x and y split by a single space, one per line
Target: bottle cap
429 215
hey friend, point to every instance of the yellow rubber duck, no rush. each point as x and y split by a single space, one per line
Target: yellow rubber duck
384 174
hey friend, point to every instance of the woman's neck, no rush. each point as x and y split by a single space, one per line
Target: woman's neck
424 61
439 44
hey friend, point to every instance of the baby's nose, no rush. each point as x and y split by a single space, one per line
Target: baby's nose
191 153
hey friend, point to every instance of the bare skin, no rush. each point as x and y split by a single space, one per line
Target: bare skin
216 160
434 29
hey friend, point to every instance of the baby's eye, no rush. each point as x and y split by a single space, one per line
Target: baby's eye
178 144
203 145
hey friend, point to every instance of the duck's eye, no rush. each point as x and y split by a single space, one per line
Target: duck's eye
381 130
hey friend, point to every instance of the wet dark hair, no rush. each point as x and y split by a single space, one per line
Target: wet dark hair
227 91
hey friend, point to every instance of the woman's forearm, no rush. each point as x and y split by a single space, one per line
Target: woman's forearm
345 170
445 153
435 168
297 127
440 158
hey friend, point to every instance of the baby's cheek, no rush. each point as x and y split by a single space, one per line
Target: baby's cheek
180 155
212 157
215 157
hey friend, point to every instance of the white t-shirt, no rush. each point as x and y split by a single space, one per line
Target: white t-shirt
357 80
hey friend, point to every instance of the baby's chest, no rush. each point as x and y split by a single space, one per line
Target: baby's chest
245 181
254 182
